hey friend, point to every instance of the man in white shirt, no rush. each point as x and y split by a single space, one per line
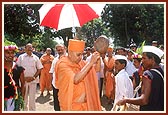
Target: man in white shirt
124 86
32 65
61 50
130 68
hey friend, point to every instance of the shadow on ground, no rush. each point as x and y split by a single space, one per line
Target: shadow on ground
43 99
51 103
106 103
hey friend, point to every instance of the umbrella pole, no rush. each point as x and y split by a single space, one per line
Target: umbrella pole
73 35
73 32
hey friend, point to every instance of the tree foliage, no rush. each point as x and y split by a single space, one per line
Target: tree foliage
140 22
20 23
135 21
92 30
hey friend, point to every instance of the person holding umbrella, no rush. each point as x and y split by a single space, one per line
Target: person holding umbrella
76 80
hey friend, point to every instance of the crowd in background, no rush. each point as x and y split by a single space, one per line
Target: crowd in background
118 72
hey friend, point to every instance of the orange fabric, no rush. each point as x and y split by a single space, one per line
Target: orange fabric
76 45
45 78
97 66
69 94
110 80
110 49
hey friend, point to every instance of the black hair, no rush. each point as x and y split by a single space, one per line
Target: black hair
122 61
139 59
152 55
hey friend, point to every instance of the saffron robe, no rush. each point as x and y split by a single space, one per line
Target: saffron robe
83 96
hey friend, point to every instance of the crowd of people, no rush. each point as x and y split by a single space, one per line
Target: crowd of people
79 76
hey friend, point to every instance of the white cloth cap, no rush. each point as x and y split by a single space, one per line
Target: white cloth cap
117 57
153 50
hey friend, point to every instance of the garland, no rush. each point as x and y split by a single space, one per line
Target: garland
18 99
19 102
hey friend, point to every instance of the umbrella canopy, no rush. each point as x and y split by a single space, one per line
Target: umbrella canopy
61 16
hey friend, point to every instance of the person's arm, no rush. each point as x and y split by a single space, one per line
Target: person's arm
145 93
36 74
133 81
80 76
105 62
43 60
18 62
22 81
31 78
39 67
98 65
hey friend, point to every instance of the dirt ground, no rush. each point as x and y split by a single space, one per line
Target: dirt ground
45 103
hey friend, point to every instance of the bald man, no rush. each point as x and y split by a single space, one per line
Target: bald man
45 78
77 81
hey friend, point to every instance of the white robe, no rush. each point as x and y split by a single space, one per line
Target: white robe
52 70
130 68
124 86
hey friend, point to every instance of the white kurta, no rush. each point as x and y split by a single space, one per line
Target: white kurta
124 86
130 68
52 70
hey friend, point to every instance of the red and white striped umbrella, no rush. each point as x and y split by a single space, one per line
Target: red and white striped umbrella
61 16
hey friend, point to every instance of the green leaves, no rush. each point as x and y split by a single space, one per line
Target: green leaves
139 50
19 102
138 21
7 43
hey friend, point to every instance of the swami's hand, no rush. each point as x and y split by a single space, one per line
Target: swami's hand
103 56
95 57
